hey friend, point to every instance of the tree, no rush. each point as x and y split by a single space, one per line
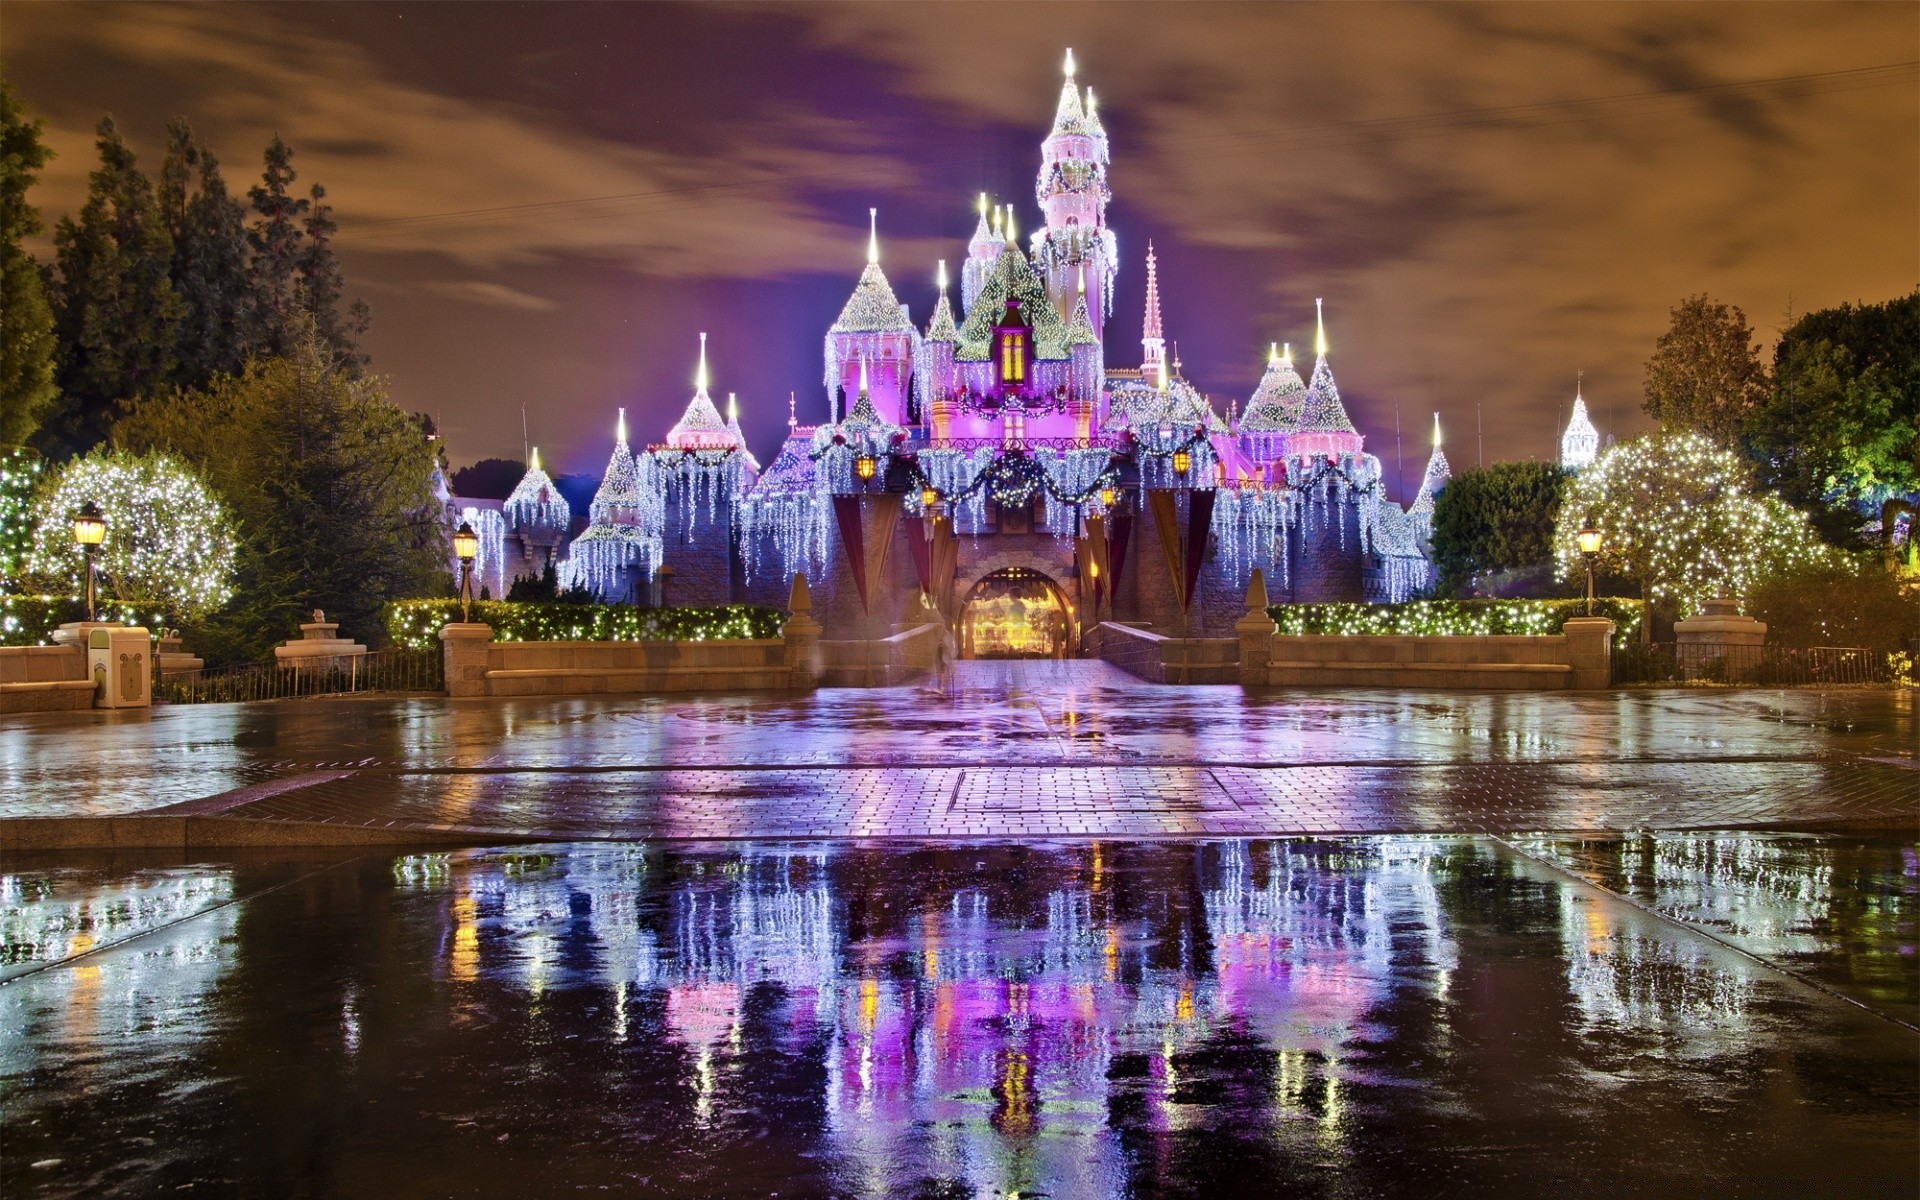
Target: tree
329 481
1836 605
27 345
170 541
1495 519
115 310
1677 515
1839 435
1705 373
489 479
210 271
296 273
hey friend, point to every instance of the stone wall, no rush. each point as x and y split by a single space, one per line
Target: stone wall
697 546
44 679
1157 659
1577 658
587 668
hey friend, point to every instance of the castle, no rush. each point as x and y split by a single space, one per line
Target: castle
994 467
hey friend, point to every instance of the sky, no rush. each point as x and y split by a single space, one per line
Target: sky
545 204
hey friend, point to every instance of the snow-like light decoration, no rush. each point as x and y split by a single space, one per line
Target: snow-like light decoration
20 472
1325 427
1252 524
955 474
1675 512
623 537
1074 472
1274 409
536 512
169 538
1581 442
490 561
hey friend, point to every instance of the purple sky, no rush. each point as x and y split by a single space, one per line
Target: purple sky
545 203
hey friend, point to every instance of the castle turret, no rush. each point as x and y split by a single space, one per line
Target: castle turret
700 427
943 336
1325 427
1153 340
982 253
873 329
1274 410
1581 442
537 516
1073 193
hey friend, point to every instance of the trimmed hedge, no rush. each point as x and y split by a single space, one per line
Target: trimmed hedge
1439 618
417 623
31 620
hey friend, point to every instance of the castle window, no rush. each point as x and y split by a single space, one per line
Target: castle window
1013 358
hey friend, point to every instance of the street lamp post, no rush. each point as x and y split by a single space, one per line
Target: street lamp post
1589 541
89 530
465 546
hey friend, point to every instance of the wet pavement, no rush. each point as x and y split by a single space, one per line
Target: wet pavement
1027 930
1324 1017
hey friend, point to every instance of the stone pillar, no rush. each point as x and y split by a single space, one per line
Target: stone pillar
802 635
1589 652
1714 642
464 647
1256 631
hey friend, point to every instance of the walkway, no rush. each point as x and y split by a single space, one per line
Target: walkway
992 750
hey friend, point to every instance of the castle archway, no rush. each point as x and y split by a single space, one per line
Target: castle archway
1015 612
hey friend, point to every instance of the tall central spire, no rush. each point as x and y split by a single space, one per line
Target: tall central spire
1153 342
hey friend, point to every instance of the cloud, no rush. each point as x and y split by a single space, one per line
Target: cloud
494 295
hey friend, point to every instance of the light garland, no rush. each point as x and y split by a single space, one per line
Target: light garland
20 474
169 539
1452 618
416 623
1676 512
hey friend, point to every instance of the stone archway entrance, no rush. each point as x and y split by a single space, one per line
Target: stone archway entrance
1015 612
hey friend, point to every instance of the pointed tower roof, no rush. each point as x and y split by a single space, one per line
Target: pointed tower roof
739 438
1080 328
700 427
873 308
1069 117
1152 327
1323 412
1013 279
1187 408
863 418
986 242
535 503
941 328
1094 127
1581 442
1278 401
1437 473
620 484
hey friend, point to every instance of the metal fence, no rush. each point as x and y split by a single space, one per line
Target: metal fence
397 669
1750 666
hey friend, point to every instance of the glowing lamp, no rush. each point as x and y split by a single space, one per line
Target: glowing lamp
1182 462
1589 540
89 527
465 546
1107 497
929 497
864 466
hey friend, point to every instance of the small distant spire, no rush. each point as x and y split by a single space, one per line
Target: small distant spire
620 428
1319 329
733 408
1579 377
1153 294
983 206
535 456
1083 273
873 235
943 276
793 415
1436 431
863 375
1273 353
700 380
1011 235
1286 353
1069 62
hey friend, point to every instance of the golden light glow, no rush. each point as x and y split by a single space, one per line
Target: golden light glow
865 466
1589 540
929 497
89 527
1107 497
1182 462
466 543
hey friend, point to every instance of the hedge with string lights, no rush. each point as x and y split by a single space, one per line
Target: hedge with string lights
1452 618
416 623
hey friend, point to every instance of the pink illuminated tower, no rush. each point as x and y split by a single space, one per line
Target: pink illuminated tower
1073 193
1153 341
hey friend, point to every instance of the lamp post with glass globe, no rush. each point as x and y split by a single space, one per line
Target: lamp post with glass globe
465 546
1588 540
89 530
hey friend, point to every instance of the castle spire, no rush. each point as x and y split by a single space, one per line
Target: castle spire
700 377
1580 444
620 428
873 235
1319 329
535 457
1153 343
1069 117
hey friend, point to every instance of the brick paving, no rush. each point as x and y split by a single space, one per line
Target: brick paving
1052 801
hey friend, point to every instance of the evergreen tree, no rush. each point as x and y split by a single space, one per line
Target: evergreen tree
329 481
220 319
320 284
1705 373
115 311
296 274
27 346
1495 519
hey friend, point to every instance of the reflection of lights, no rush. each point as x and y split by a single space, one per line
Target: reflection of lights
463 960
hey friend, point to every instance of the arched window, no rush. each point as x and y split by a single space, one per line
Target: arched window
1013 358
